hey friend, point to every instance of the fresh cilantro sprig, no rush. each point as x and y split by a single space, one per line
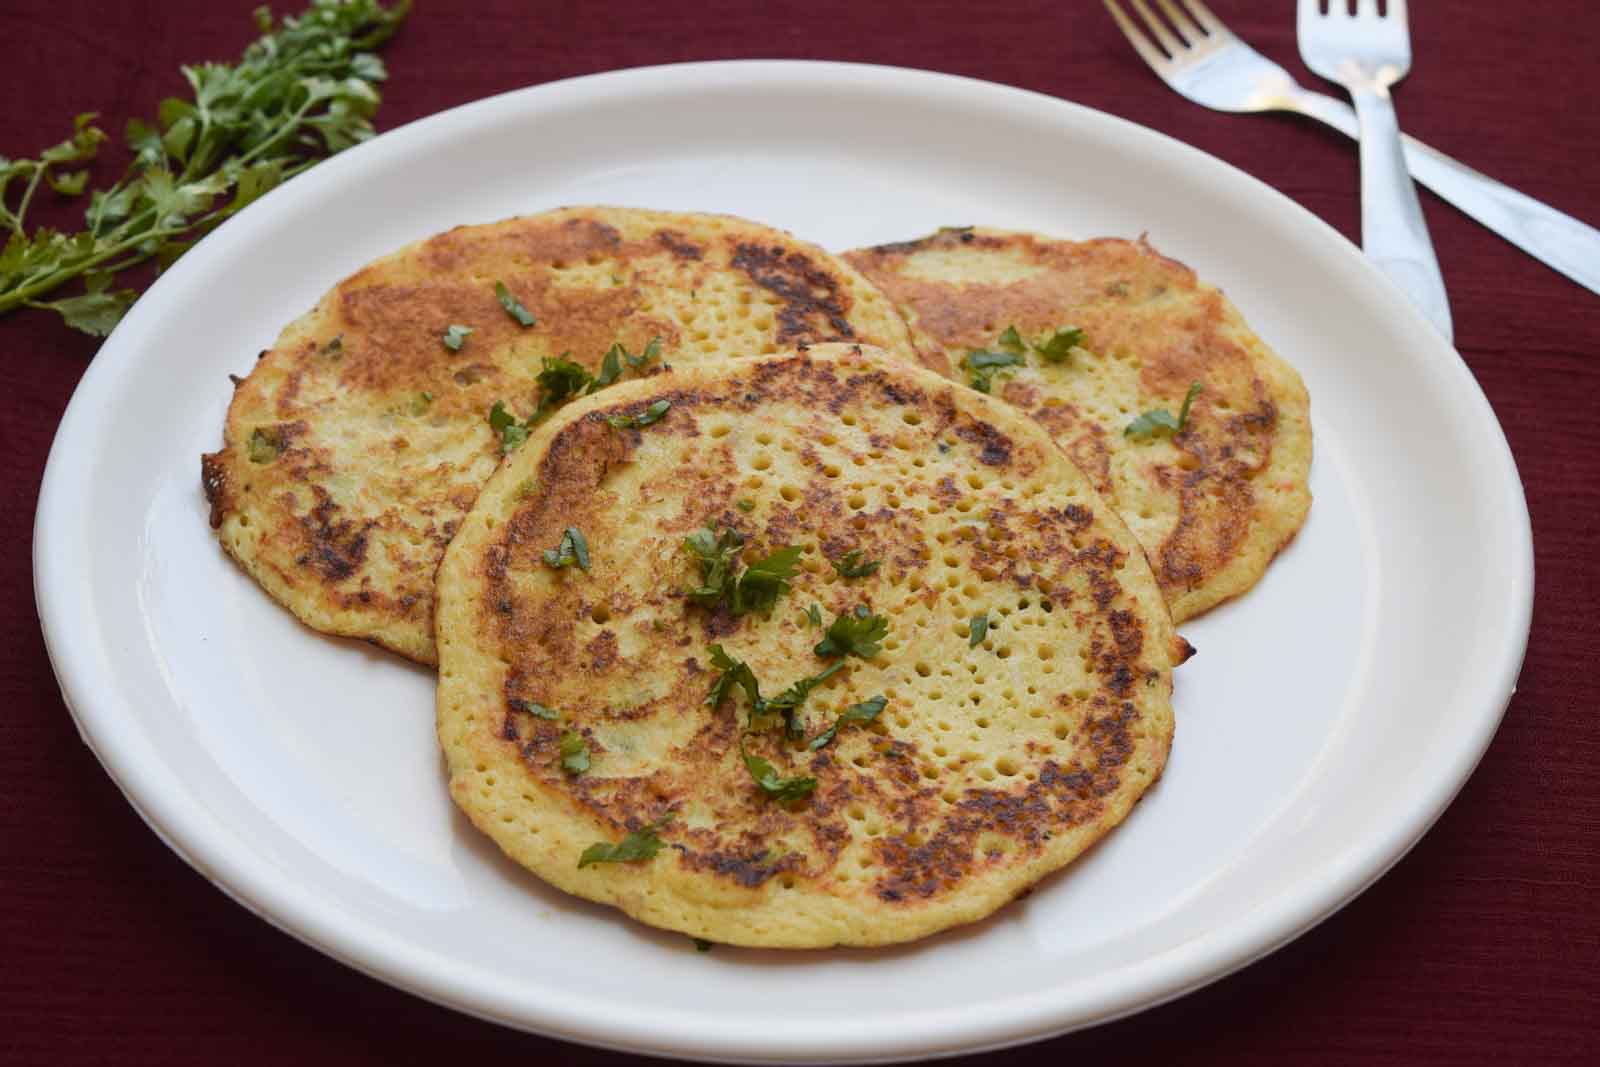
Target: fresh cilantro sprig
513 434
850 565
766 777
756 589
737 673
863 713
857 632
641 844
982 365
1159 422
572 549
304 90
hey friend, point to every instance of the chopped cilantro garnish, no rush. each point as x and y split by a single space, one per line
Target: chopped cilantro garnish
982 365
735 672
977 630
864 712
858 632
745 504
1012 340
513 434
757 589
642 844
560 379
533 708
572 549
610 369
611 363
787 703
850 565
455 335
814 614
513 306
1159 422
766 776
700 943
639 420
574 752
264 446
1057 348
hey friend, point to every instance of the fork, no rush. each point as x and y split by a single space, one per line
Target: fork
1212 67
1368 53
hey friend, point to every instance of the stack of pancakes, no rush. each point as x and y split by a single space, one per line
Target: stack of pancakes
754 616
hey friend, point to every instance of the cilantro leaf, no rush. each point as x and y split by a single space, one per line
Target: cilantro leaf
513 434
455 335
702 945
639 420
757 589
766 776
572 549
574 752
788 702
532 708
735 672
264 445
864 712
1057 348
850 565
982 365
1012 340
610 368
560 379
977 630
513 306
97 311
859 633
766 579
1188 400
651 352
641 844
1159 421
814 614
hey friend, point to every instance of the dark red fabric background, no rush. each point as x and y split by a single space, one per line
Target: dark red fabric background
1483 945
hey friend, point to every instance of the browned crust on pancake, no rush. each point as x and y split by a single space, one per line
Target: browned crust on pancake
1237 475
513 631
347 523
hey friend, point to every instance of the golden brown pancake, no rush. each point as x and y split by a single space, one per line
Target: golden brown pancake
946 557
362 436
1212 503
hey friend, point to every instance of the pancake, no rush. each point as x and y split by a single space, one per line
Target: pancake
1213 503
862 546
362 436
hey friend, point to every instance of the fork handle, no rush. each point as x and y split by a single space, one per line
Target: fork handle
1550 236
1393 233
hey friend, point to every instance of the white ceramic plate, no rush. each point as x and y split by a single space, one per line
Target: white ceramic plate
1330 716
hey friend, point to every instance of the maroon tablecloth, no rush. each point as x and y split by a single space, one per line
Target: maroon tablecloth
1482 945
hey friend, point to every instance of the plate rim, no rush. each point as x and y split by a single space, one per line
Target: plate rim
374 950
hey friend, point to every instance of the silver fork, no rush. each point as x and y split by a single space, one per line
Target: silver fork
1367 53
1212 67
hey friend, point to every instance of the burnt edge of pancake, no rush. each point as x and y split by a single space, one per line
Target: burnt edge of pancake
946 842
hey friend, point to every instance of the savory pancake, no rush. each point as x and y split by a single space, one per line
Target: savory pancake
362 436
1193 429
810 649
